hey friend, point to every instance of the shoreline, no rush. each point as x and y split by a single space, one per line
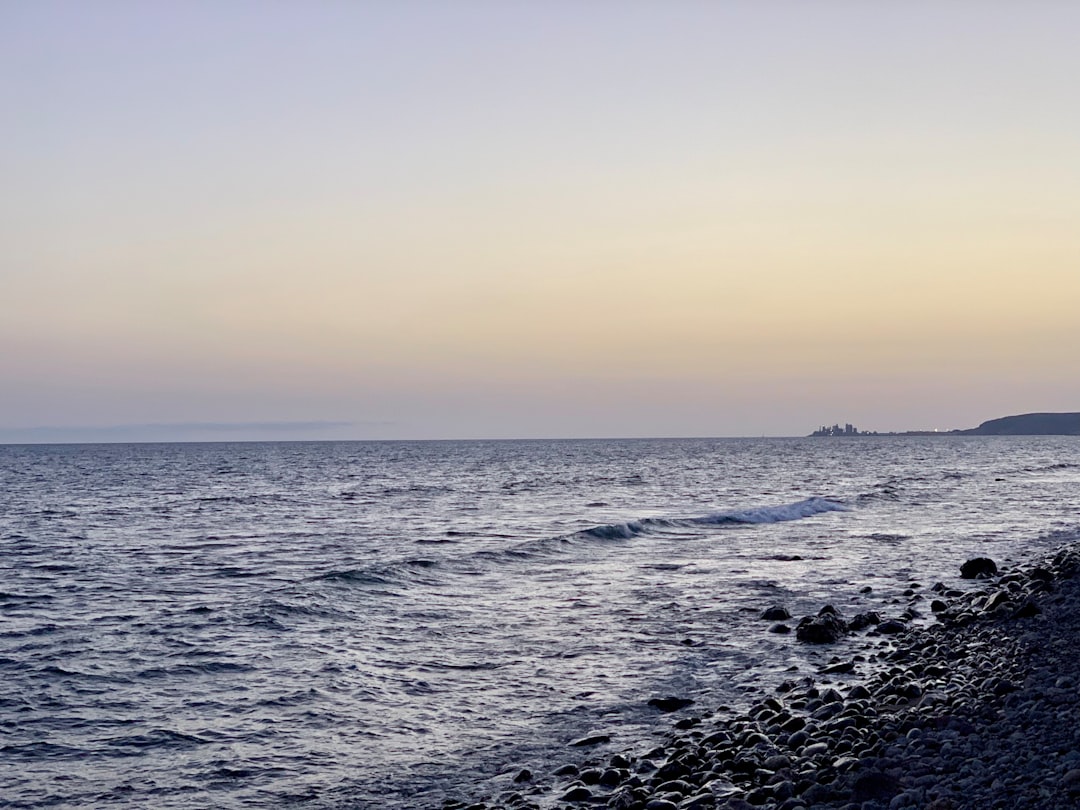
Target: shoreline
978 710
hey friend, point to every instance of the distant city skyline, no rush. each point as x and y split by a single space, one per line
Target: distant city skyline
490 220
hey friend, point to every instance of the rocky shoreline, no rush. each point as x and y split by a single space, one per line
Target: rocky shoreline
978 710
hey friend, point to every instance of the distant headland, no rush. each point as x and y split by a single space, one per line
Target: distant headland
1027 424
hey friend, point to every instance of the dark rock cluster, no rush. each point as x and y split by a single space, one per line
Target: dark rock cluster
980 710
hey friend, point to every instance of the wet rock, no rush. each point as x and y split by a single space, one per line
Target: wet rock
1027 610
590 776
776 613
593 739
978 568
863 620
612 777
670 704
780 629
524 775
874 785
577 794
838 669
995 600
825 628
892 627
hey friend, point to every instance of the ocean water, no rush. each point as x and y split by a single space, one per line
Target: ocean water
387 624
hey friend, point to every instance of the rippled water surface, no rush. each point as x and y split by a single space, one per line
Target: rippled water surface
388 624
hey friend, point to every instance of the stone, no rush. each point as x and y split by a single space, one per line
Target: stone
860 621
892 627
994 600
592 739
838 669
1027 610
776 613
978 568
611 777
873 785
577 794
590 776
780 629
937 606
524 775
822 629
670 704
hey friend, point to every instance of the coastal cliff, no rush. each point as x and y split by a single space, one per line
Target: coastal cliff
1029 424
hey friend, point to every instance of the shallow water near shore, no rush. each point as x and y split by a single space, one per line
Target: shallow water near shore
387 624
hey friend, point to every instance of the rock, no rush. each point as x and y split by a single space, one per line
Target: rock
937 606
873 785
567 770
702 801
611 777
524 775
1005 687
822 629
590 776
863 620
1027 610
594 739
892 627
841 668
670 704
978 568
1041 575
776 614
995 600
577 794
780 629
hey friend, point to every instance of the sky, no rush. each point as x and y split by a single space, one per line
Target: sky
508 219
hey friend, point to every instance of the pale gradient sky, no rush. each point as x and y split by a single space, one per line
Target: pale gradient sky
516 219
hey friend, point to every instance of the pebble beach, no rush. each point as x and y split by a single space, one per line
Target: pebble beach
967 698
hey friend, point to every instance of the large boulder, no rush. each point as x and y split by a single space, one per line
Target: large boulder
978 568
825 628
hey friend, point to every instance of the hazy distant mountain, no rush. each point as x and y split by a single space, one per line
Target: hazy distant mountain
1029 424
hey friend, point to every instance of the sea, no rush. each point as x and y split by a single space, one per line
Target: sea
394 624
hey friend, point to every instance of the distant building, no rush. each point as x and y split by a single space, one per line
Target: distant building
847 430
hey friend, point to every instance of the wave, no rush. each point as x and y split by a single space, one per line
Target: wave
775 514
758 515
387 578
